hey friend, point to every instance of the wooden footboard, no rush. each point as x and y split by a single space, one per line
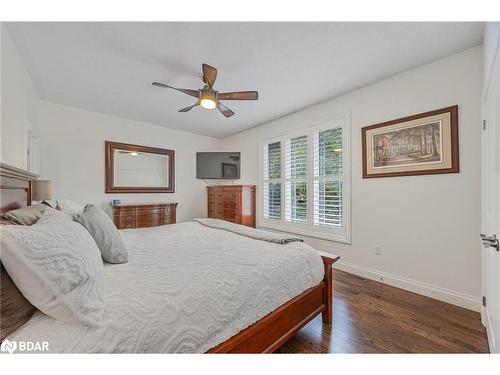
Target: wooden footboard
328 260
269 333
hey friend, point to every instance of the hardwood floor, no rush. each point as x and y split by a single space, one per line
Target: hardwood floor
370 317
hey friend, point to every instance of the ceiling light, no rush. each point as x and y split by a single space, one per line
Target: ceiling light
207 103
134 154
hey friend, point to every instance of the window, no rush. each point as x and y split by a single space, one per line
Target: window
272 180
328 178
296 179
306 182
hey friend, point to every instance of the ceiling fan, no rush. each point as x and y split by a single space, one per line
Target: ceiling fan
209 98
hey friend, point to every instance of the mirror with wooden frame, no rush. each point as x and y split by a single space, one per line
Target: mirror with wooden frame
138 169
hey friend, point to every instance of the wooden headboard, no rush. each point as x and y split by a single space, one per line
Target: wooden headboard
15 192
15 187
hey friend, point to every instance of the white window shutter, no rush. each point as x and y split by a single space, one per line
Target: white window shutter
327 166
296 179
272 180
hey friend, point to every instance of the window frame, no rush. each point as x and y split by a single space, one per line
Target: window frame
342 235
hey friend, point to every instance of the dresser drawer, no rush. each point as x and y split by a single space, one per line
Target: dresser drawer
230 214
127 220
144 215
149 218
230 204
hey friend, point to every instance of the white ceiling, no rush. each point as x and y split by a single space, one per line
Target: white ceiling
109 67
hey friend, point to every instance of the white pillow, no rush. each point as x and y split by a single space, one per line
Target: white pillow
56 265
69 207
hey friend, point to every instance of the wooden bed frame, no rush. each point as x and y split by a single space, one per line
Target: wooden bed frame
269 333
264 336
15 187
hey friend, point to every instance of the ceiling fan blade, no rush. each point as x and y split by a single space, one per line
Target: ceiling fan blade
188 108
209 74
239 95
193 93
224 110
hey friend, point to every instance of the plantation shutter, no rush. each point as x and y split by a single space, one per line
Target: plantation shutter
306 182
327 178
296 179
272 180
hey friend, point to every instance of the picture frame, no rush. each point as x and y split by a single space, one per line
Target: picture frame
426 143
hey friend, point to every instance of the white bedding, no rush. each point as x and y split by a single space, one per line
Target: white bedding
185 288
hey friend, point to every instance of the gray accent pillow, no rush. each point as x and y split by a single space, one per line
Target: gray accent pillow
105 234
27 215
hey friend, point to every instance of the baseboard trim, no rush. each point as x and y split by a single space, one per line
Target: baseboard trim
489 332
432 291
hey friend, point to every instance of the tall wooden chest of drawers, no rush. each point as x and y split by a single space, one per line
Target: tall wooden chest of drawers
142 215
234 203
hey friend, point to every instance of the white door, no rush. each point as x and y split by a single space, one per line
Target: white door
491 193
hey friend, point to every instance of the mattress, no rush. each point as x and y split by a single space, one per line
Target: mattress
185 289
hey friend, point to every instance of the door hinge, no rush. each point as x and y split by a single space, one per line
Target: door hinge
484 124
484 301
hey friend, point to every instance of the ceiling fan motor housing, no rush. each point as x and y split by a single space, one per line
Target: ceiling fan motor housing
206 93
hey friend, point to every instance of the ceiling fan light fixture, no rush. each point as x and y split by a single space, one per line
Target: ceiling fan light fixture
207 97
208 103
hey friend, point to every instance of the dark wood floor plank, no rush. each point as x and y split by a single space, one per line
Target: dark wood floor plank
371 317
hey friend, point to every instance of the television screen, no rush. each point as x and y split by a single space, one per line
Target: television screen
211 165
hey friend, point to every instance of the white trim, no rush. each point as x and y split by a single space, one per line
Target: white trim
492 32
486 318
268 224
456 298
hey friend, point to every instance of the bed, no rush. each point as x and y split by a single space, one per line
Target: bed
191 288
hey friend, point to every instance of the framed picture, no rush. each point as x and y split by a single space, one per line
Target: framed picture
229 170
426 143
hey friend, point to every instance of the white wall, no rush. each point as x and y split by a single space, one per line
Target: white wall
72 156
428 226
19 103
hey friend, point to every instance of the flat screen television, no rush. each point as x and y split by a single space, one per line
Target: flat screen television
218 165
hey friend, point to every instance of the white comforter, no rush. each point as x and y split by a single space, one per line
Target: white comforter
186 288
